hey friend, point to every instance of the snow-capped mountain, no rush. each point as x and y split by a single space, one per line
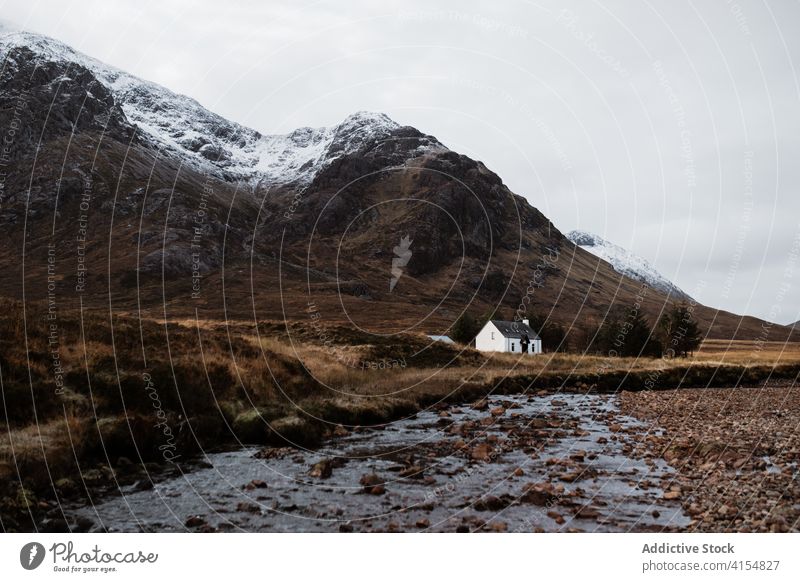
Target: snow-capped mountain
161 177
626 262
207 140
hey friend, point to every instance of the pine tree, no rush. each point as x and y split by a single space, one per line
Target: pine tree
639 340
680 332
465 328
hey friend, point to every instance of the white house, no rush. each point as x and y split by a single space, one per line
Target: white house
441 338
505 336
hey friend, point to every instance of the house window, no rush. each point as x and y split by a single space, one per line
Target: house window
512 346
492 336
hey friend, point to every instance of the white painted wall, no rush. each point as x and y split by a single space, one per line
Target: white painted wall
489 339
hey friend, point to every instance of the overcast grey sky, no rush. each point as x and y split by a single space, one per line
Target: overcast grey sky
671 128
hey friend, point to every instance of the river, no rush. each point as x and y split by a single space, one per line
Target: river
560 462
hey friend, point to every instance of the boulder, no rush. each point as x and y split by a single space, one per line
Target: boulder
322 469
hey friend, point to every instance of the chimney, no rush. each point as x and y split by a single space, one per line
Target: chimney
526 321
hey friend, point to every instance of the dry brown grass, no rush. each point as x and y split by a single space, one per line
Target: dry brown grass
337 367
36 451
747 352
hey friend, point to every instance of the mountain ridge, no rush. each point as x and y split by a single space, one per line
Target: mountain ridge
180 229
179 122
626 262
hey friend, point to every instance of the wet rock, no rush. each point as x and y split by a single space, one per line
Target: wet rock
255 484
248 507
480 405
346 528
412 472
539 422
195 521
322 470
694 509
482 452
340 431
66 487
539 494
587 512
423 523
274 453
557 517
93 477
488 503
372 484
493 503
571 476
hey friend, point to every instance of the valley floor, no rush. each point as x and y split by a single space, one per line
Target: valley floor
705 457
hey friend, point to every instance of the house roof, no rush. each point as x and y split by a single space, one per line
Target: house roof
441 338
514 329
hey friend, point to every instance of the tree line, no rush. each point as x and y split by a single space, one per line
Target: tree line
623 334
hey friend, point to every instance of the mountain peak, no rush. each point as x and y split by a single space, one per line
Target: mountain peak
369 118
625 262
369 121
179 124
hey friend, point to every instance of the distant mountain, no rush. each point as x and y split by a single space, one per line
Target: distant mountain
626 262
119 193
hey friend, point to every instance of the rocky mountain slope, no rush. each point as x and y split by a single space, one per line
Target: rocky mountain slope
118 192
204 140
626 262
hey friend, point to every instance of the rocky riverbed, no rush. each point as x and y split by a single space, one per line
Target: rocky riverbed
736 452
564 462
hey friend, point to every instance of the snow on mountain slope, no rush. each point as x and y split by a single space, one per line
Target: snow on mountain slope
209 141
625 262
